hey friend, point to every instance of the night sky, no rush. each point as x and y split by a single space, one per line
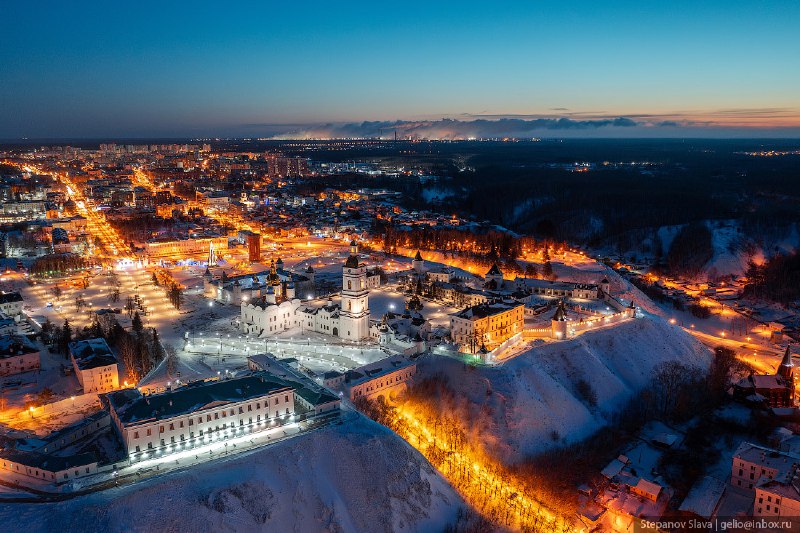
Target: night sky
140 69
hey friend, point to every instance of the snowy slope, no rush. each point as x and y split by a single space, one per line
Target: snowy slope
515 408
732 248
355 477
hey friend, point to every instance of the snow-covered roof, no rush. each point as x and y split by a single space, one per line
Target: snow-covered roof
484 310
554 285
261 360
704 497
92 353
48 462
768 381
132 407
648 487
9 297
262 279
14 345
376 369
782 462
780 488
665 439
612 469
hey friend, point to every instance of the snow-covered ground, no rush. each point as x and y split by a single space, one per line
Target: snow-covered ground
732 248
515 408
19 390
353 477
216 345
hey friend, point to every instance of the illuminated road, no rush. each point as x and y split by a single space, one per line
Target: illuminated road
762 359
96 224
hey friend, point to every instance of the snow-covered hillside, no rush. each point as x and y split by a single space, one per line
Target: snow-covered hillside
732 247
519 408
354 477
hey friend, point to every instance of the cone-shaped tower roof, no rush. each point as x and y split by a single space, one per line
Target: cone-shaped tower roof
787 364
560 315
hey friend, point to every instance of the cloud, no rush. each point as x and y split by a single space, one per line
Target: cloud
454 129
560 122
751 112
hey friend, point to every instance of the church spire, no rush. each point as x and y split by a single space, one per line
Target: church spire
273 278
786 369
352 261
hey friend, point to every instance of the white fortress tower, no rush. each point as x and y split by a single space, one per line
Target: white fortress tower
418 264
354 316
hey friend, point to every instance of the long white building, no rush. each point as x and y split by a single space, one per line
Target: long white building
198 413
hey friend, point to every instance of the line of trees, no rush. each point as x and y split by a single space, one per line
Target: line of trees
495 244
691 249
57 264
677 393
139 350
777 280
57 337
502 498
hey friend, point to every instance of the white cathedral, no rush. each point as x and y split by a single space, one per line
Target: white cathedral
279 311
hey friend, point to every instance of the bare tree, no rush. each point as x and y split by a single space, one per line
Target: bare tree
130 306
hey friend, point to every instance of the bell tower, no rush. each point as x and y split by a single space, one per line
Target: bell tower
354 315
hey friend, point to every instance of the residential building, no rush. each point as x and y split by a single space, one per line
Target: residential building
95 365
753 463
777 498
183 247
11 304
46 468
488 323
382 378
17 354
